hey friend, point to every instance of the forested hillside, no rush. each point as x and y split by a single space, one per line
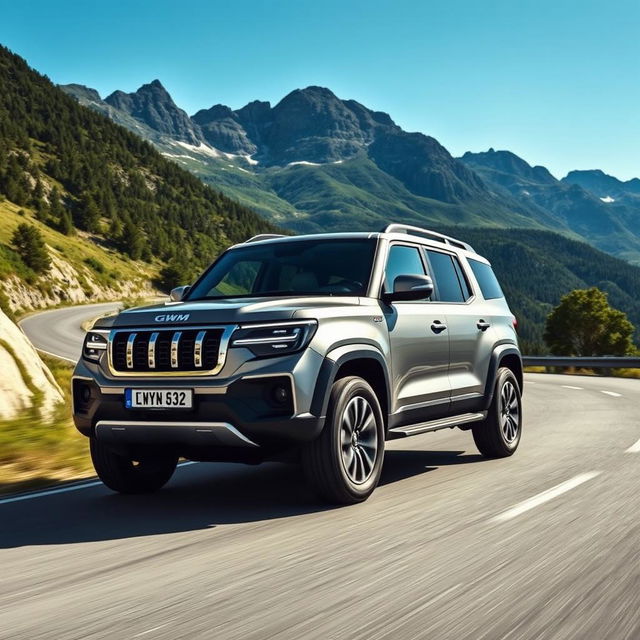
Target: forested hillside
82 176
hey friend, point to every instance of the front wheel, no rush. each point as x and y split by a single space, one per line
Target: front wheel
498 435
123 474
344 463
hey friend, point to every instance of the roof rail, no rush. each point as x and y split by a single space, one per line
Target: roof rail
427 233
264 236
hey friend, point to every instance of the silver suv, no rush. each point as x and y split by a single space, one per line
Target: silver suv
321 346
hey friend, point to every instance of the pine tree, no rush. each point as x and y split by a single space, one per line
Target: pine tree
132 240
42 212
176 272
88 214
65 223
30 245
60 216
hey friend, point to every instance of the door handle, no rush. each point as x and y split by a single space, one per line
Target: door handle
482 325
437 326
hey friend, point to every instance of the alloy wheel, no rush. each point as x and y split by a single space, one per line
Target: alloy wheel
358 439
510 412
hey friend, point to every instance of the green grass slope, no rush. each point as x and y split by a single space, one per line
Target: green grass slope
347 195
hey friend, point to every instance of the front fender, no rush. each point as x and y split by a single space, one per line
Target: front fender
331 365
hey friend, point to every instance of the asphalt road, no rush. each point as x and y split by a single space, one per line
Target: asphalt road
544 545
59 332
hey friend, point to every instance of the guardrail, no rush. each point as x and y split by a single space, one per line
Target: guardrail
606 362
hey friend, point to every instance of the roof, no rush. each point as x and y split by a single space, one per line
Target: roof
390 232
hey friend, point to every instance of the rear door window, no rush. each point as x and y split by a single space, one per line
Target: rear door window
462 277
446 277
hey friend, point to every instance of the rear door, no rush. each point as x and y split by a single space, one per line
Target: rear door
419 345
470 333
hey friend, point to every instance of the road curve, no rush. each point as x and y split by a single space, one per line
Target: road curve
59 332
540 545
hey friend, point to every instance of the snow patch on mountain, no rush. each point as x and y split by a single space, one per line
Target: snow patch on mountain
181 155
312 164
203 149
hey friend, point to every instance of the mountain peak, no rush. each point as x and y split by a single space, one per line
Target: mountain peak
156 87
153 105
317 90
222 129
312 95
602 184
509 163
81 92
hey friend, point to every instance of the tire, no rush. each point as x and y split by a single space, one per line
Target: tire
498 435
344 463
124 475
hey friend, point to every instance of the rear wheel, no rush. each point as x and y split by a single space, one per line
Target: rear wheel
125 475
498 435
344 463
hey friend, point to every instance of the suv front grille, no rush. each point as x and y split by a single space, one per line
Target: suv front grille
192 350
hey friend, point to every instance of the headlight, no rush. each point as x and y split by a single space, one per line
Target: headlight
275 339
95 343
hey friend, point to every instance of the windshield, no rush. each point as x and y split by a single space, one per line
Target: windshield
299 267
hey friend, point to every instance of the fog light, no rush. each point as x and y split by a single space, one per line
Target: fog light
280 394
85 393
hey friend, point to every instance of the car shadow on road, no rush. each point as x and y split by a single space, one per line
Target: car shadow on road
199 497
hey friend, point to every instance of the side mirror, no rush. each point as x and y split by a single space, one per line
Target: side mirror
410 287
179 293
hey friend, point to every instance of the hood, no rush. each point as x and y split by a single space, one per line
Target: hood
229 311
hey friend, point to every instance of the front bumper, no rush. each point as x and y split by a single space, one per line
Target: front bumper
234 412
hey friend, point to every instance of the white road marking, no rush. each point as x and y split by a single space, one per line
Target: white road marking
72 487
433 600
144 633
50 492
568 386
612 393
545 496
634 448
57 355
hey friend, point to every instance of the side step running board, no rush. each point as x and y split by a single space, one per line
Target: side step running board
434 425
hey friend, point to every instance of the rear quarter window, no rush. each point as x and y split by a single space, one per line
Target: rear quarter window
487 280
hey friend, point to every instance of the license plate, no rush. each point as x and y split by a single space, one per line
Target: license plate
158 398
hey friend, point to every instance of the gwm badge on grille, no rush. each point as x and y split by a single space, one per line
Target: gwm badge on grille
172 317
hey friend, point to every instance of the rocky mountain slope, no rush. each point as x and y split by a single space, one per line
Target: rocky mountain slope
314 161
607 188
317 162
25 383
609 223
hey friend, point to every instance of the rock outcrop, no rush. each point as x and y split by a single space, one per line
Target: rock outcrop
25 379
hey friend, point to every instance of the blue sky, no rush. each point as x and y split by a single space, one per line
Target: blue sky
557 82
